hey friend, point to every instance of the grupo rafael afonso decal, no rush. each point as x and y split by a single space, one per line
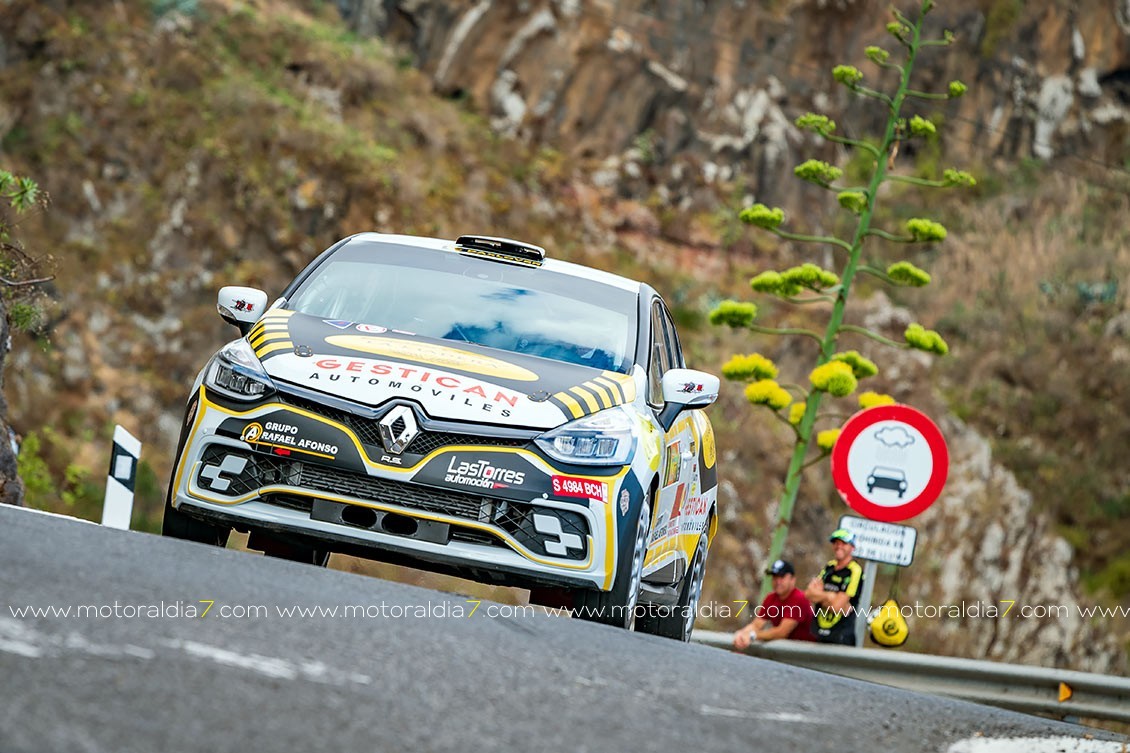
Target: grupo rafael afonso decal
293 435
455 381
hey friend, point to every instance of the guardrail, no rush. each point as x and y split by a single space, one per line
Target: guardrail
1060 692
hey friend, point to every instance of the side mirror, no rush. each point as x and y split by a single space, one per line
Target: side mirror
684 389
242 306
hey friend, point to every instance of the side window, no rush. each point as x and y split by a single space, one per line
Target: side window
657 356
664 352
673 341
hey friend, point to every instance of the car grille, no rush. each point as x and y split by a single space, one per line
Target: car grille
424 443
237 473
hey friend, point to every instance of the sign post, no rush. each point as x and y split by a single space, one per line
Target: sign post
888 464
117 507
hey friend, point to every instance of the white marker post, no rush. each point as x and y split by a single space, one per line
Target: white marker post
118 505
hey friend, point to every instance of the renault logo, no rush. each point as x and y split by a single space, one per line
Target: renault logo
398 428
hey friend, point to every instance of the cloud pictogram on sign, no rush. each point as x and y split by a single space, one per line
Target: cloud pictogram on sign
894 436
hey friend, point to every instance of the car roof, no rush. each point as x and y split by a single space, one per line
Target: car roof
554 265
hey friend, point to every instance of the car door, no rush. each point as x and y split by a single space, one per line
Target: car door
666 559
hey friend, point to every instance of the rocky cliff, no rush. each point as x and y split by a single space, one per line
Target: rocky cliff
693 94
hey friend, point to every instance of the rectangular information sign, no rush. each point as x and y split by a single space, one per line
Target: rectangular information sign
888 543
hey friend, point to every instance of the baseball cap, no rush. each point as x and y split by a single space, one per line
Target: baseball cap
843 535
780 567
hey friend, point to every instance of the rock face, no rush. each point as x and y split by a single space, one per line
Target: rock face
11 486
1001 553
708 90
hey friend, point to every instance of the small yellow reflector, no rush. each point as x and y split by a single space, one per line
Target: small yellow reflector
1065 692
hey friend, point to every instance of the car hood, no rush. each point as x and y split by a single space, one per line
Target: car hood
450 380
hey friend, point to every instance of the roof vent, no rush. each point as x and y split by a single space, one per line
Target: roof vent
501 249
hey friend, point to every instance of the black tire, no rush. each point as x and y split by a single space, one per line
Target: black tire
177 525
552 598
286 550
618 606
305 555
678 621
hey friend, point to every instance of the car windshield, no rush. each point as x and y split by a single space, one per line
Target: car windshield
458 297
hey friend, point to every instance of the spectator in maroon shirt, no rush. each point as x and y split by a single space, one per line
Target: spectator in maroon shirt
785 612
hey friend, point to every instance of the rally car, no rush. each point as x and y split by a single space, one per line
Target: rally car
471 407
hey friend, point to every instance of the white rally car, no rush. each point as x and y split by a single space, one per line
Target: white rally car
470 407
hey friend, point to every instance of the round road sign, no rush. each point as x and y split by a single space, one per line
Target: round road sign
890 462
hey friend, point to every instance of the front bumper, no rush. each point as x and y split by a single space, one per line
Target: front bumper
305 475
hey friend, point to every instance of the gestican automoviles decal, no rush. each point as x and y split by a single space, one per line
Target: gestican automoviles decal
436 355
429 383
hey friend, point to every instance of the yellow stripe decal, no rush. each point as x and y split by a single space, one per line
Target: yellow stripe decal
610 538
590 401
571 405
613 388
602 393
269 337
273 347
625 382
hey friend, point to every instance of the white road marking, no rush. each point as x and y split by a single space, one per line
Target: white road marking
20 648
17 637
767 716
21 639
264 665
1036 745
270 666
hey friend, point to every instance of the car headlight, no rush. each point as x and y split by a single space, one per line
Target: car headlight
604 438
237 373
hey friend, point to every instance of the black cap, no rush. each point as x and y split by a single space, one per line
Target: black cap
780 567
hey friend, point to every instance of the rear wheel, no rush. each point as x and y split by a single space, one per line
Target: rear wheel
618 606
678 621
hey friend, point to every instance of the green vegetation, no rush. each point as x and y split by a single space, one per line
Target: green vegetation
999 23
837 374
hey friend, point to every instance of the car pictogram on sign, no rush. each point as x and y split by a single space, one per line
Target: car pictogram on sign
887 478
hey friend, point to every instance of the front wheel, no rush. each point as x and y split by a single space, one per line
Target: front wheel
177 525
286 550
618 606
678 621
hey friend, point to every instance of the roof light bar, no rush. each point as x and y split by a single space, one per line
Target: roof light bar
503 249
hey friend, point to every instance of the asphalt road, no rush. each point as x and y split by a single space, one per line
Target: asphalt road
419 671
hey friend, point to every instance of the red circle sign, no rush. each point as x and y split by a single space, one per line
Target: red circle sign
890 462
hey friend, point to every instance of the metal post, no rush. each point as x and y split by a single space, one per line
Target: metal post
864 610
117 508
